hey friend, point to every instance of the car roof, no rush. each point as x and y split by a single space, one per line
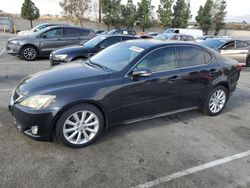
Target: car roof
117 35
154 43
67 26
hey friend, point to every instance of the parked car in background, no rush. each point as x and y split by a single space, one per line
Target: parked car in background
230 48
87 49
180 37
248 59
37 28
193 32
122 32
152 34
205 37
127 82
101 31
40 44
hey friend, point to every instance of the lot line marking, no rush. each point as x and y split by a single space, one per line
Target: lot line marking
6 90
2 51
192 170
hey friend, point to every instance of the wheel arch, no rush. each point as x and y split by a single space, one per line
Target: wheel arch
68 106
31 45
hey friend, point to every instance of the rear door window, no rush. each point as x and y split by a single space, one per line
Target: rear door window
192 56
53 33
71 32
110 41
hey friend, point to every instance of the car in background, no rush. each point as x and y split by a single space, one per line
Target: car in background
228 47
101 31
193 32
179 37
87 49
122 32
248 59
153 34
43 42
205 37
127 82
148 35
37 28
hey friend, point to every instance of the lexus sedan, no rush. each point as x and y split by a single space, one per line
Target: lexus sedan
41 43
87 49
127 82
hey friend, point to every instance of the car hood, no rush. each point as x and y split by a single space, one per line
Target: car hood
72 49
19 38
25 33
59 77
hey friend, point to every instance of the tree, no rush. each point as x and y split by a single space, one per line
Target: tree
144 12
181 14
128 13
165 12
30 11
219 15
75 9
204 17
112 12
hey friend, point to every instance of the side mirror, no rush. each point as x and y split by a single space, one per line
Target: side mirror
43 36
142 73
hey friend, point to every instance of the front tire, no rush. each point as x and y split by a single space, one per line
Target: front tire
215 101
79 126
29 53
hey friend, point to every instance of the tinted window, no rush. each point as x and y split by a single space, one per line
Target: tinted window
110 41
241 44
159 60
84 32
191 56
213 43
54 33
71 32
118 56
93 42
229 46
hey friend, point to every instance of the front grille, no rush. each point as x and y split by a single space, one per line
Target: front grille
16 96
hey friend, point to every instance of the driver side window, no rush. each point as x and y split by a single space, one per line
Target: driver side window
54 33
159 60
229 46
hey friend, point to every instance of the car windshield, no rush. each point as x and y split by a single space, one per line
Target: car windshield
169 31
117 57
162 36
93 42
212 43
38 27
111 31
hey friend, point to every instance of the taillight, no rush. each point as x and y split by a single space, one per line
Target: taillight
239 67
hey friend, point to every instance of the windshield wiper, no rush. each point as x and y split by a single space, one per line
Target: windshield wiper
98 65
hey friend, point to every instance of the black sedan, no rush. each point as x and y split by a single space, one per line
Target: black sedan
86 49
125 83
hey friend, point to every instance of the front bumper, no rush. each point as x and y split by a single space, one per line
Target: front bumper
25 118
13 49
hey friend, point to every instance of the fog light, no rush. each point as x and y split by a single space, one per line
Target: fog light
34 129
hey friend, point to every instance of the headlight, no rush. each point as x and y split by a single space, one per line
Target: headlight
14 42
60 57
38 101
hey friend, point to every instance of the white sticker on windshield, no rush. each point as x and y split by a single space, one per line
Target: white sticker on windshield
136 49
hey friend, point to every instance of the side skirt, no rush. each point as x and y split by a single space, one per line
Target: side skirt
159 115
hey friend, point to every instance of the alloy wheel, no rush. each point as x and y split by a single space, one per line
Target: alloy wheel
29 53
217 101
81 127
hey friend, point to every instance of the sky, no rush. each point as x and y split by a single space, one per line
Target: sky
238 10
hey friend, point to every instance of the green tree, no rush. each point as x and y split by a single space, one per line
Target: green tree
219 15
112 12
30 11
75 9
165 12
144 12
204 17
128 14
181 14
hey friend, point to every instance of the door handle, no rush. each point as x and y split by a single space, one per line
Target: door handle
173 79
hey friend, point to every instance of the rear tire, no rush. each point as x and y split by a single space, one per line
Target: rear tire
215 101
29 53
79 126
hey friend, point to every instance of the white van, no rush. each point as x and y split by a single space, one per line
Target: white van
193 32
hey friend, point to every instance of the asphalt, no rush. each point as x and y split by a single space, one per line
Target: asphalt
128 155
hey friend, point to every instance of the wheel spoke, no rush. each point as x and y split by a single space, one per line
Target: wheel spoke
91 130
75 115
86 136
91 124
68 122
72 135
78 140
89 118
69 130
83 116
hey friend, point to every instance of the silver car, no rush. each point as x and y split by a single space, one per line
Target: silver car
42 43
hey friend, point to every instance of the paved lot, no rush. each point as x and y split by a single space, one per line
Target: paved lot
127 156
